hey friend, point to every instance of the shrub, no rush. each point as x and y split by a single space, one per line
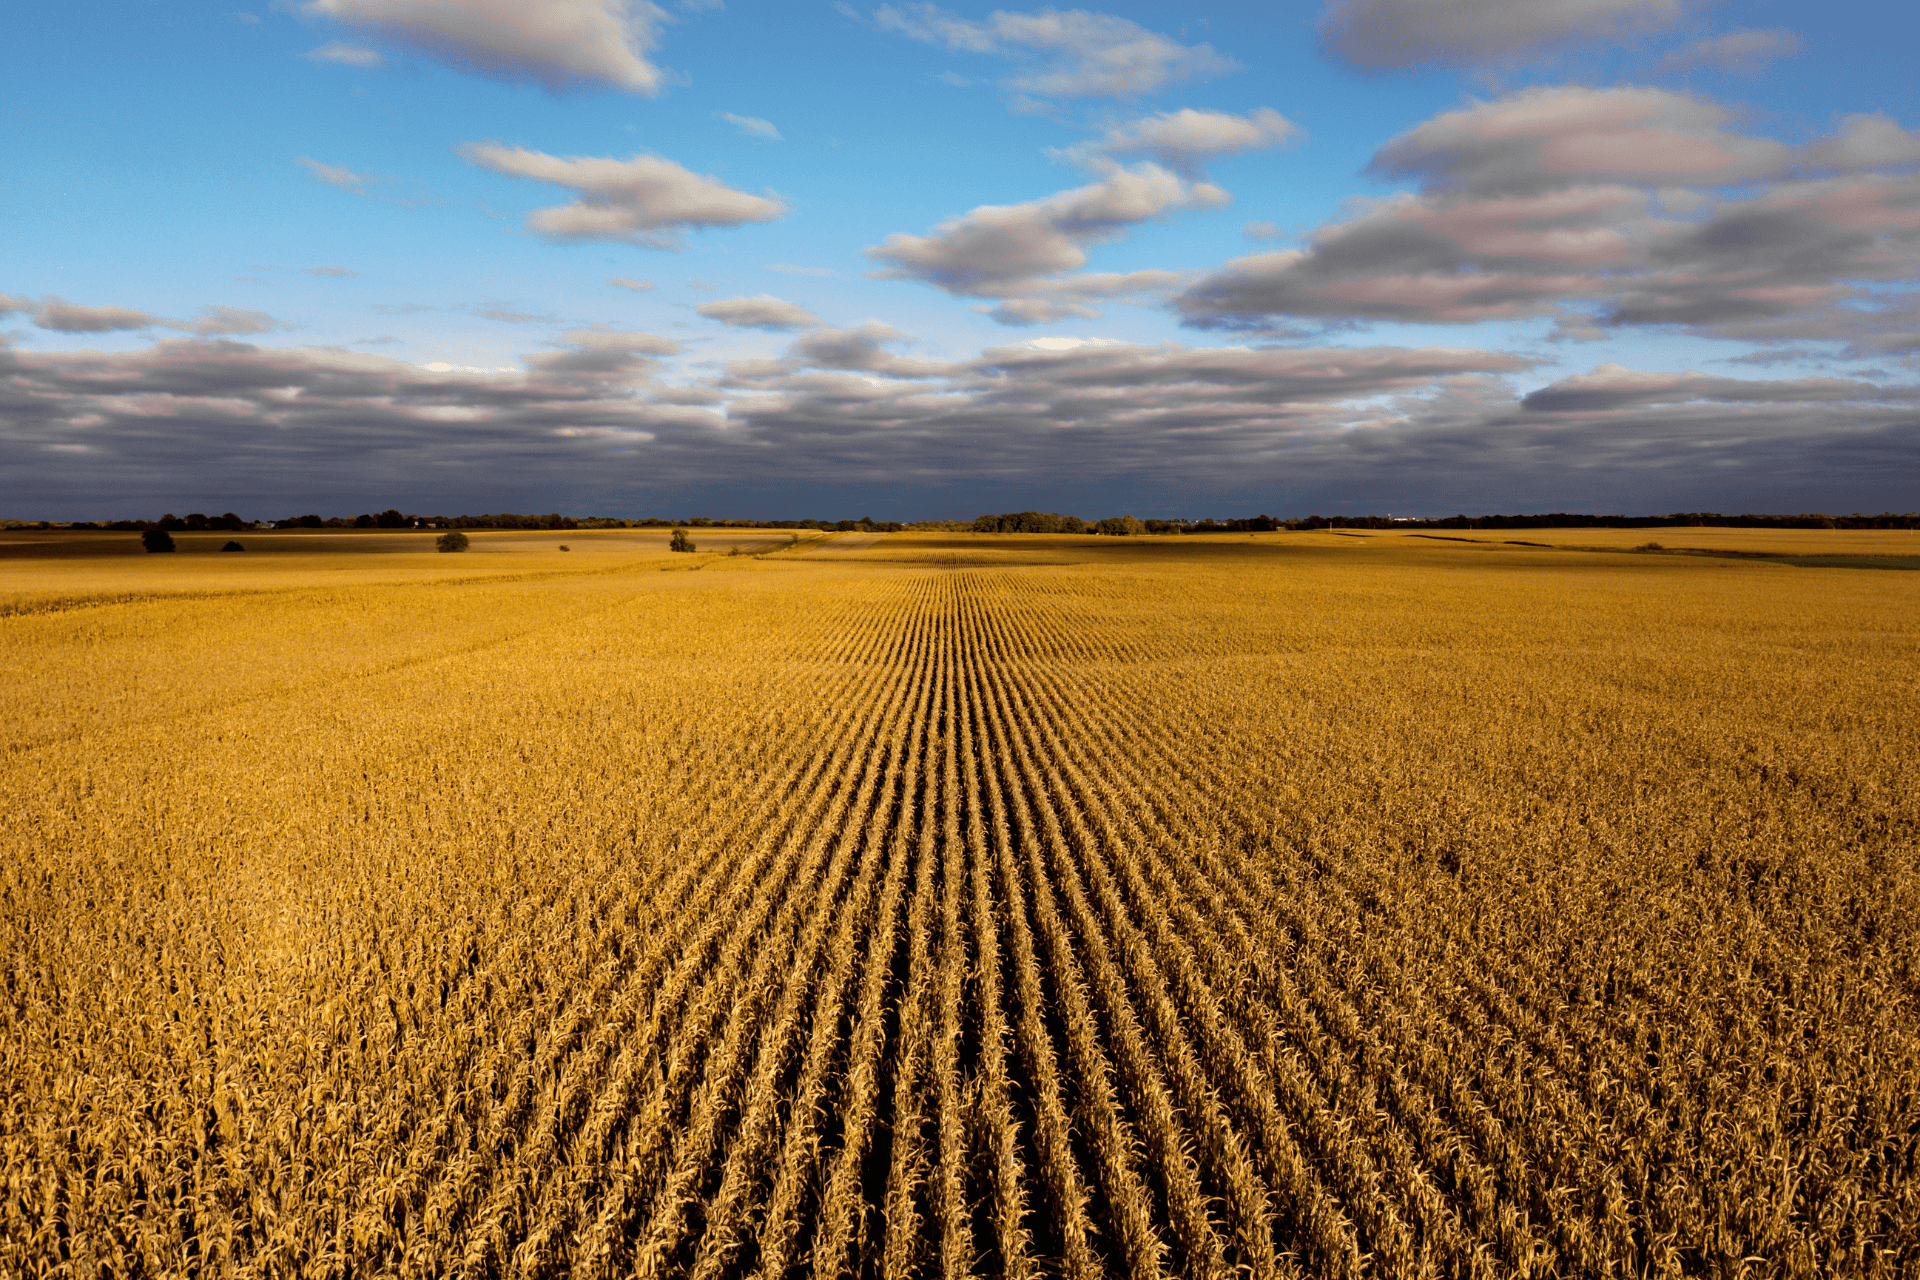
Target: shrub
232 546
157 540
1649 546
680 541
563 546
455 541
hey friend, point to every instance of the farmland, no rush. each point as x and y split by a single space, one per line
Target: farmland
942 905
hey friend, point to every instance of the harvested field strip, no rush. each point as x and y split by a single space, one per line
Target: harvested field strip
980 961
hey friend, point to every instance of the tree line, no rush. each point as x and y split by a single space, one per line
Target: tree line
1053 522
1007 522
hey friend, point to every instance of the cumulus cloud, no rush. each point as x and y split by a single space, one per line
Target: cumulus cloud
57 315
1545 199
1551 138
346 55
604 353
335 175
1865 142
1186 141
560 44
1262 230
752 126
1379 34
625 282
787 268
337 273
62 316
644 200
1741 52
1068 53
1025 250
762 312
1874 325
863 350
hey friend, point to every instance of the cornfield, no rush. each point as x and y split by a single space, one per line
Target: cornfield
949 907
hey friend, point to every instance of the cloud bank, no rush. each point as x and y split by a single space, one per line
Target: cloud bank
603 413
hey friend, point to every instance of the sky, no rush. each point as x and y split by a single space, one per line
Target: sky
912 261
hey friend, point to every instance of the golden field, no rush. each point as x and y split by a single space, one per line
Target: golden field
1331 904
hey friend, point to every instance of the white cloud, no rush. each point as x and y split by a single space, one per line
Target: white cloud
346 55
625 282
230 320
604 354
509 315
752 126
762 312
557 43
999 251
337 273
1866 142
1541 204
1262 231
608 338
1548 139
57 315
864 350
1742 52
642 200
789 269
1071 53
1187 140
335 175
1020 312
61 316
1377 34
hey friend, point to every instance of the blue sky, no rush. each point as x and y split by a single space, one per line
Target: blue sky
925 261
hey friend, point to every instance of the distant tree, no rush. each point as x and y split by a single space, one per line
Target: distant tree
1120 527
455 541
171 521
680 541
157 540
363 522
232 546
389 519
197 522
